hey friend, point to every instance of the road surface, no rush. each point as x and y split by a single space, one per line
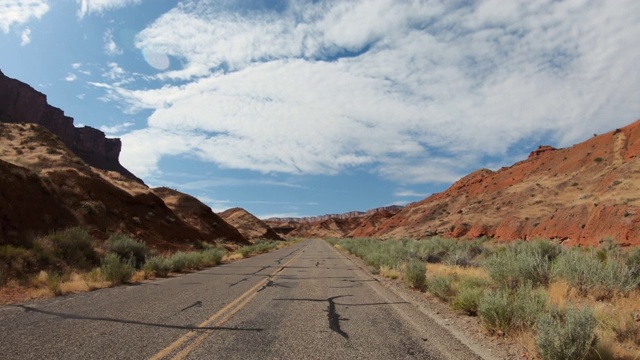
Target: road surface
306 301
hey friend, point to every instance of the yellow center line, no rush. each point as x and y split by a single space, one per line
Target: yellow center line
239 301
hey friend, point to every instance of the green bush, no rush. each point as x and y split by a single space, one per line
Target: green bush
183 261
586 272
440 287
15 263
468 294
521 263
53 283
74 246
415 274
213 256
505 310
128 249
158 266
117 270
566 335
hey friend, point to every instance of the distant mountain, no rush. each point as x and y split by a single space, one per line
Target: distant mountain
249 226
331 225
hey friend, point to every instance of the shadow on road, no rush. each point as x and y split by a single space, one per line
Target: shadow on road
28 309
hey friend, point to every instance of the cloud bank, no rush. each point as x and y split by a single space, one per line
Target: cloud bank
100 6
415 92
19 12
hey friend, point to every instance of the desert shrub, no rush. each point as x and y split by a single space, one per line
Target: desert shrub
158 266
435 249
116 269
468 294
213 256
587 273
565 334
74 246
15 263
463 253
128 249
633 261
441 287
415 274
388 272
522 263
183 261
53 281
506 311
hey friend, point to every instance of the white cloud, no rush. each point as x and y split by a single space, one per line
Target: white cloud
116 129
110 46
409 193
100 6
71 77
25 37
76 66
18 12
414 91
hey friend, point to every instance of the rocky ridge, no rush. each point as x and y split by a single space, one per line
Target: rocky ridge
579 195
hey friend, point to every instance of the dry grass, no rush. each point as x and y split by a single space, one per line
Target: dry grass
389 273
232 257
459 271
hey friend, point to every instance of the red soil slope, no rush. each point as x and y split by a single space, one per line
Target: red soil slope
581 195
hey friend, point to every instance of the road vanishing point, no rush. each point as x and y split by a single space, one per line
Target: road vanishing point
306 301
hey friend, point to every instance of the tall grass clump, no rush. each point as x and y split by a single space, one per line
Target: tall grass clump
213 256
441 287
15 263
157 266
566 334
415 274
523 262
74 246
506 311
117 270
589 272
468 294
259 247
128 249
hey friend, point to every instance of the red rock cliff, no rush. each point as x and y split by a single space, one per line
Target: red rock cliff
20 103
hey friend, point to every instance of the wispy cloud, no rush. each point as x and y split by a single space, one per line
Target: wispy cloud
110 46
19 12
409 193
25 37
116 129
99 6
415 92
70 77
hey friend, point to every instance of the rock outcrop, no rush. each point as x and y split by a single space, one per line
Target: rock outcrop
20 103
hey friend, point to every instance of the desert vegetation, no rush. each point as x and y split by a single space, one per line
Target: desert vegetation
72 260
558 302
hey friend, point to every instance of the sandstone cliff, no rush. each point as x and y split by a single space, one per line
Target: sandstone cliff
20 103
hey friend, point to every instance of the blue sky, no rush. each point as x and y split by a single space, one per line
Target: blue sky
295 108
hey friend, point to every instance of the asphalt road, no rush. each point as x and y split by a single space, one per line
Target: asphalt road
306 301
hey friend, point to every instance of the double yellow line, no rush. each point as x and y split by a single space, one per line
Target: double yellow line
187 342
